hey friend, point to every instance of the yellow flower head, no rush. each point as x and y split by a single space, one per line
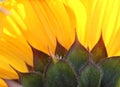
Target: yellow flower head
41 23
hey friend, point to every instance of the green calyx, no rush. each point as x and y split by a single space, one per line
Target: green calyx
77 67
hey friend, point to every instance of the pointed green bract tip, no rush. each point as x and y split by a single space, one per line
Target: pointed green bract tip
99 51
77 56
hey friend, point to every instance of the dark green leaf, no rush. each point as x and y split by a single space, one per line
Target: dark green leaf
77 55
111 70
99 51
40 60
31 79
90 76
60 74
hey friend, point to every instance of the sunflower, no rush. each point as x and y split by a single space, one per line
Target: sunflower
42 24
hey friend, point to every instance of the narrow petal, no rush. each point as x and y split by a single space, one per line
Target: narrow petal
29 17
80 16
62 27
12 40
1 20
11 55
3 13
113 48
42 37
111 26
47 20
95 12
14 50
72 17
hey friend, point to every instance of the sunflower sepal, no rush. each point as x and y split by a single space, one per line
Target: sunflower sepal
99 51
90 74
76 68
40 60
77 55
31 79
60 50
60 74
111 69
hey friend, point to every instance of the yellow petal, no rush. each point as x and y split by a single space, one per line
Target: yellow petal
95 12
2 83
1 21
13 37
111 26
14 50
81 16
61 23
114 45
71 16
42 21
11 55
3 13
32 22
6 71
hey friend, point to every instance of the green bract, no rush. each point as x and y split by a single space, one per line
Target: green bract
77 67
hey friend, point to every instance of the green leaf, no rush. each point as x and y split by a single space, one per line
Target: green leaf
90 76
111 70
31 79
40 60
60 50
60 74
99 51
77 55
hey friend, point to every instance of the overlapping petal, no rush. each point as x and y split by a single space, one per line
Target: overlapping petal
35 26
80 15
62 24
104 17
88 16
42 22
111 26
98 17
14 51
9 49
